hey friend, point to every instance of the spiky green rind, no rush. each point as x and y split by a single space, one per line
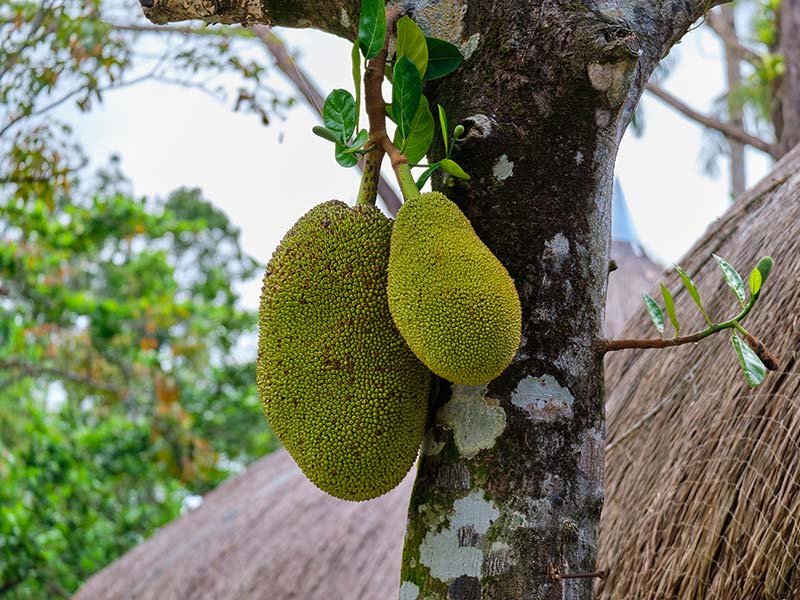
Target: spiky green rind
452 300
338 384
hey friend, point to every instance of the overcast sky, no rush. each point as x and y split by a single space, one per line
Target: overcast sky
170 137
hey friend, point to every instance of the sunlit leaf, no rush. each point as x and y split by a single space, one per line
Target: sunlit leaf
372 27
406 94
752 367
732 278
411 43
669 304
654 310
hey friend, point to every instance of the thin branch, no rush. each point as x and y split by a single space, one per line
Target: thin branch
731 131
642 344
33 370
69 95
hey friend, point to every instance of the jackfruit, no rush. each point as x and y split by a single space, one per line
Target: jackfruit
452 300
338 384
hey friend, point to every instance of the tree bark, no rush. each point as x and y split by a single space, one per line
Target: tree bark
787 114
509 490
733 75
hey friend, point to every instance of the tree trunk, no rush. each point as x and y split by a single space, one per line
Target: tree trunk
787 114
733 76
510 484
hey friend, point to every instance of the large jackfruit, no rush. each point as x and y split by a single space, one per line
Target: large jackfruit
452 300
338 384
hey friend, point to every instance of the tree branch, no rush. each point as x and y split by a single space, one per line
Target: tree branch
727 129
339 17
33 370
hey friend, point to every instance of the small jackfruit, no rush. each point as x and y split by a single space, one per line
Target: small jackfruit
452 300
338 384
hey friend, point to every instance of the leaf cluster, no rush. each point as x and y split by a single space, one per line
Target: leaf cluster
751 364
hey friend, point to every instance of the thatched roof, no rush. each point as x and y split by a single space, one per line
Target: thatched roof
266 533
702 472
269 533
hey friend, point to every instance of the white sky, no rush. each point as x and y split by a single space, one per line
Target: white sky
264 178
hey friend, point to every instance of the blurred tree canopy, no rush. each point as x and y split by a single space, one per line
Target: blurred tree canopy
127 378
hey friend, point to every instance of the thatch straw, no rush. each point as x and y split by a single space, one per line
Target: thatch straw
703 473
266 534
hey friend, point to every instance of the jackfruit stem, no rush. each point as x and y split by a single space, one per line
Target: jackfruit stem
404 178
376 112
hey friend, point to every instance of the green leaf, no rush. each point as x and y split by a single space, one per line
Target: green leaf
411 43
419 139
755 282
426 174
355 57
443 58
669 304
339 114
372 27
454 168
445 128
406 94
390 113
732 278
344 157
752 367
360 140
325 133
689 284
654 310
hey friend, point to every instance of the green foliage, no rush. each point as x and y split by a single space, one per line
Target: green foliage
128 307
78 490
372 27
411 44
752 367
339 385
443 58
126 381
754 358
654 310
416 59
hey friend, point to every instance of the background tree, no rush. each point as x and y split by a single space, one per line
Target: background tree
126 363
545 96
756 110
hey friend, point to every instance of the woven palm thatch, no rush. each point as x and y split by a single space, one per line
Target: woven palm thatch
270 534
702 472
267 533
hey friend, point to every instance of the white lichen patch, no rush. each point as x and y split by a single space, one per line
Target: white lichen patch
455 550
344 19
469 47
578 157
481 126
556 251
475 423
543 398
602 118
503 168
443 19
409 591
